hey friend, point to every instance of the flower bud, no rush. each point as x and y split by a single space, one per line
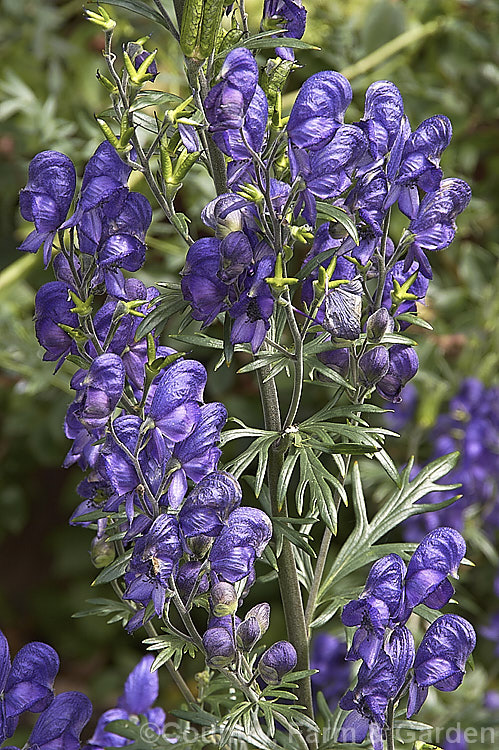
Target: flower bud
219 647
261 612
337 359
277 661
248 633
102 552
223 599
188 577
379 323
373 365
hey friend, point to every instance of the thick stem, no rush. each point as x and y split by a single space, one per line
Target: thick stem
390 739
288 575
298 364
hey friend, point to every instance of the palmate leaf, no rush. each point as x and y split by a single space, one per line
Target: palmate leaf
169 646
360 548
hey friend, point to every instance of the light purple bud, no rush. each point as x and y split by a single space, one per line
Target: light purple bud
224 599
373 365
379 323
248 633
277 661
219 646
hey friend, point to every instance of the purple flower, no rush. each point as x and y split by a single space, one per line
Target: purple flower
233 143
26 684
154 560
60 725
379 605
319 109
403 366
373 365
201 285
401 273
254 625
190 577
434 224
209 504
343 307
383 112
441 658
287 14
228 101
277 661
368 702
152 69
255 306
438 556
53 307
243 538
175 407
98 390
46 199
140 693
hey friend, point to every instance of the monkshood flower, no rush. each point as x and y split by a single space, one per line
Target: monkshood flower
368 703
441 658
342 310
201 285
98 390
60 725
26 683
175 407
328 655
237 144
403 366
189 577
419 166
276 662
373 365
434 225
243 538
227 102
287 15
383 113
319 109
53 308
439 555
46 199
197 455
208 506
139 695
154 560
255 306
401 273
366 199
380 605
104 185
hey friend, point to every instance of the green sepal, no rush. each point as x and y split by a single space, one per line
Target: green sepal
83 308
101 18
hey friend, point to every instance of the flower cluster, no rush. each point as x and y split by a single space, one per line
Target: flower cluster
26 684
139 423
386 646
281 177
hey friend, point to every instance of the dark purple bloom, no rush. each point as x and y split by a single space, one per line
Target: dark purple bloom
52 307
277 661
367 198
404 365
98 390
175 407
46 199
223 599
189 577
379 605
368 702
60 725
319 109
441 658
438 556
228 101
122 245
331 168
139 695
373 365
197 455
209 504
289 15
201 284
243 538
400 649
337 359
219 647
154 560
328 655
434 225
26 684
233 143
383 112
255 306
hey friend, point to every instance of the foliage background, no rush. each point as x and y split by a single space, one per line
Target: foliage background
443 57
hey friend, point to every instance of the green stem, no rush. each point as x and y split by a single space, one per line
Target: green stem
168 21
390 739
288 575
382 270
298 363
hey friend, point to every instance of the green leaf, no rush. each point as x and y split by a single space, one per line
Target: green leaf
115 570
268 40
333 213
158 317
285 478
141 9
298 539
124 728
198 339
414 320
151 98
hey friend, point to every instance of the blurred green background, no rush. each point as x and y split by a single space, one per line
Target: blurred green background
443 56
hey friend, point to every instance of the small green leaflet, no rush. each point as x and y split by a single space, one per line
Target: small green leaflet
115 570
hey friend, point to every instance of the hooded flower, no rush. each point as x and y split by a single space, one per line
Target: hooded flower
441 658
228 101
60 725
98 390
403 366
243 538
46 199
276 662
52 308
